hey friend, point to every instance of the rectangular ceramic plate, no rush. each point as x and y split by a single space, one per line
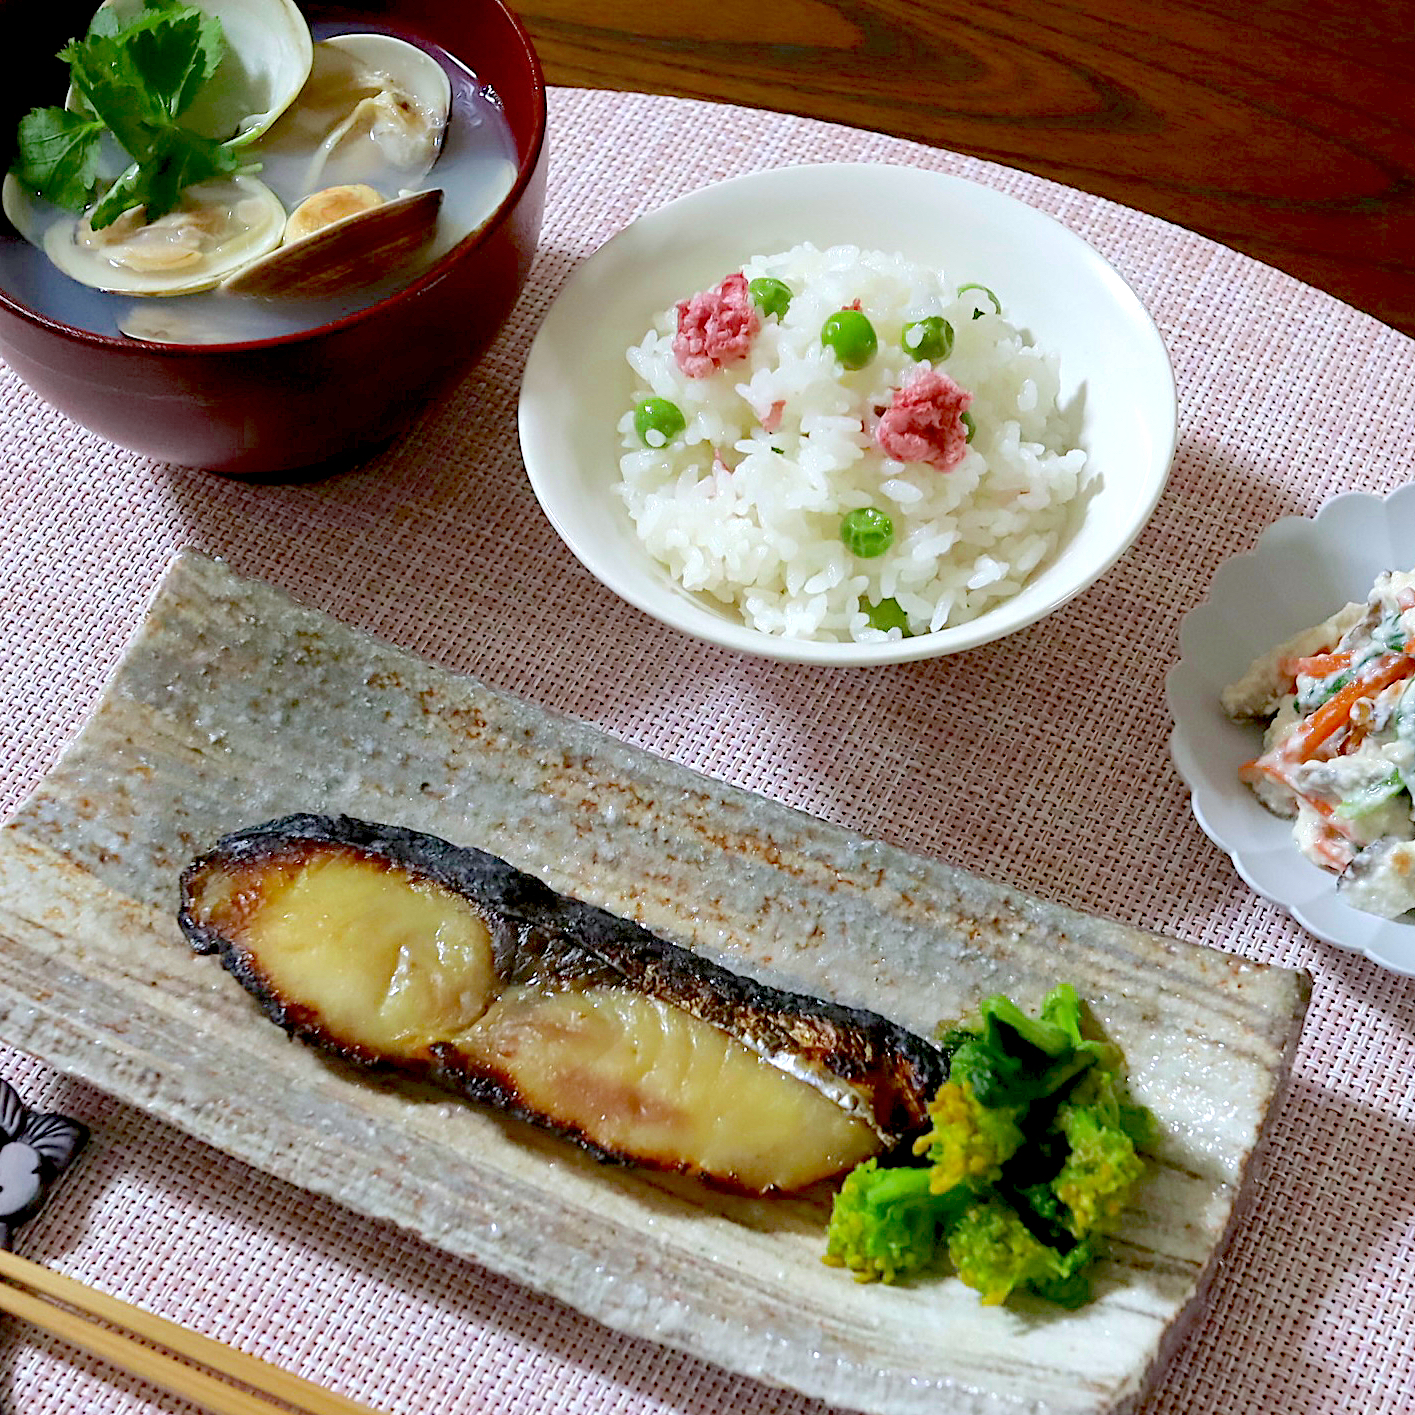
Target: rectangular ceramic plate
234 705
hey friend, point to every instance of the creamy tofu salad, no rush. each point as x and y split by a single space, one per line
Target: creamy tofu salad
1339 750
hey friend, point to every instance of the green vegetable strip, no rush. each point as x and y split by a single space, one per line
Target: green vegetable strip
1372 795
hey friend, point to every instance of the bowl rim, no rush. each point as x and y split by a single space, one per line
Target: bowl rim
672 609
525 172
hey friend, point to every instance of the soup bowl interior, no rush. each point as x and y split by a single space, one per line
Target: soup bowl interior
289 403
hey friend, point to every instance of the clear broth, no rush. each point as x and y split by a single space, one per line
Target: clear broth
475 168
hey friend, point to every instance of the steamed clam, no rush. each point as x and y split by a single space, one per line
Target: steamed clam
329 147
343 238
367 124
269 50
373 111
323 208
216 228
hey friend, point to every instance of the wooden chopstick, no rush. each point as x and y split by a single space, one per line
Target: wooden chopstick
267 1382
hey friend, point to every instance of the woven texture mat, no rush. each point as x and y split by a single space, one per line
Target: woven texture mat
1039 761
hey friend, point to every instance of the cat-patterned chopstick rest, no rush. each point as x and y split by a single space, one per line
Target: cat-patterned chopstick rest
35 1149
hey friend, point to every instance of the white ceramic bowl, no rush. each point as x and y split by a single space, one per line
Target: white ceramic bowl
577 381
1298 573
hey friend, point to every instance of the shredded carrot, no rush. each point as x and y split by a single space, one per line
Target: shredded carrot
1333 714
1273 769
1335 851
1317 665
1328 731
1250 772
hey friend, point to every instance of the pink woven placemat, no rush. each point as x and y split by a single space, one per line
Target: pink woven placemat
1039 761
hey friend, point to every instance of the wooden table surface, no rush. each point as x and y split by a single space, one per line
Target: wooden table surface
1284 128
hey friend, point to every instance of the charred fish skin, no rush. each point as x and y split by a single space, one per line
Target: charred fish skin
551 1009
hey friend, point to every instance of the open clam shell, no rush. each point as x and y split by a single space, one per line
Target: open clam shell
373 110
217 227
348 254
18 204
269 51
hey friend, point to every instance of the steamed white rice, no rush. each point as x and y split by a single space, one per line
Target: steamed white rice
753 518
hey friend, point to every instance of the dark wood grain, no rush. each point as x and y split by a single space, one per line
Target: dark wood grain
1284 128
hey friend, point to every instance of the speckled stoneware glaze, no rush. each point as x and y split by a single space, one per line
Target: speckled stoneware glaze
333 394
233 706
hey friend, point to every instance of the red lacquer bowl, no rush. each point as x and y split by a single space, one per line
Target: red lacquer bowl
330 395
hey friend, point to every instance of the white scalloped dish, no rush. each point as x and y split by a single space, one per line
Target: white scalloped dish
1298 573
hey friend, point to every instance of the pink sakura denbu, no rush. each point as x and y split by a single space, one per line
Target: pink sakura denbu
924 423
715 328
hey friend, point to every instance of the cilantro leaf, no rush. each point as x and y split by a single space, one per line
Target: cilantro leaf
58 155
133 76
177 161
175 49
109 22
103 72
128 190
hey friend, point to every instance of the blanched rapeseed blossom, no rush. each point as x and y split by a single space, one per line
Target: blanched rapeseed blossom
1031 1157
968 1141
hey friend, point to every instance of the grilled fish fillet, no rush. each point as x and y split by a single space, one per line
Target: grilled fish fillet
399 951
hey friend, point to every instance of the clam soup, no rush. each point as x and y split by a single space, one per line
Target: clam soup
471 159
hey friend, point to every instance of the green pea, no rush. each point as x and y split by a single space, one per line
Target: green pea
658 422
967 420
979 313
930 338
867 532
770 296
887 615
851 336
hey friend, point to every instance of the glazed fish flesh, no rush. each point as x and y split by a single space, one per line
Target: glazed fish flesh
399 951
